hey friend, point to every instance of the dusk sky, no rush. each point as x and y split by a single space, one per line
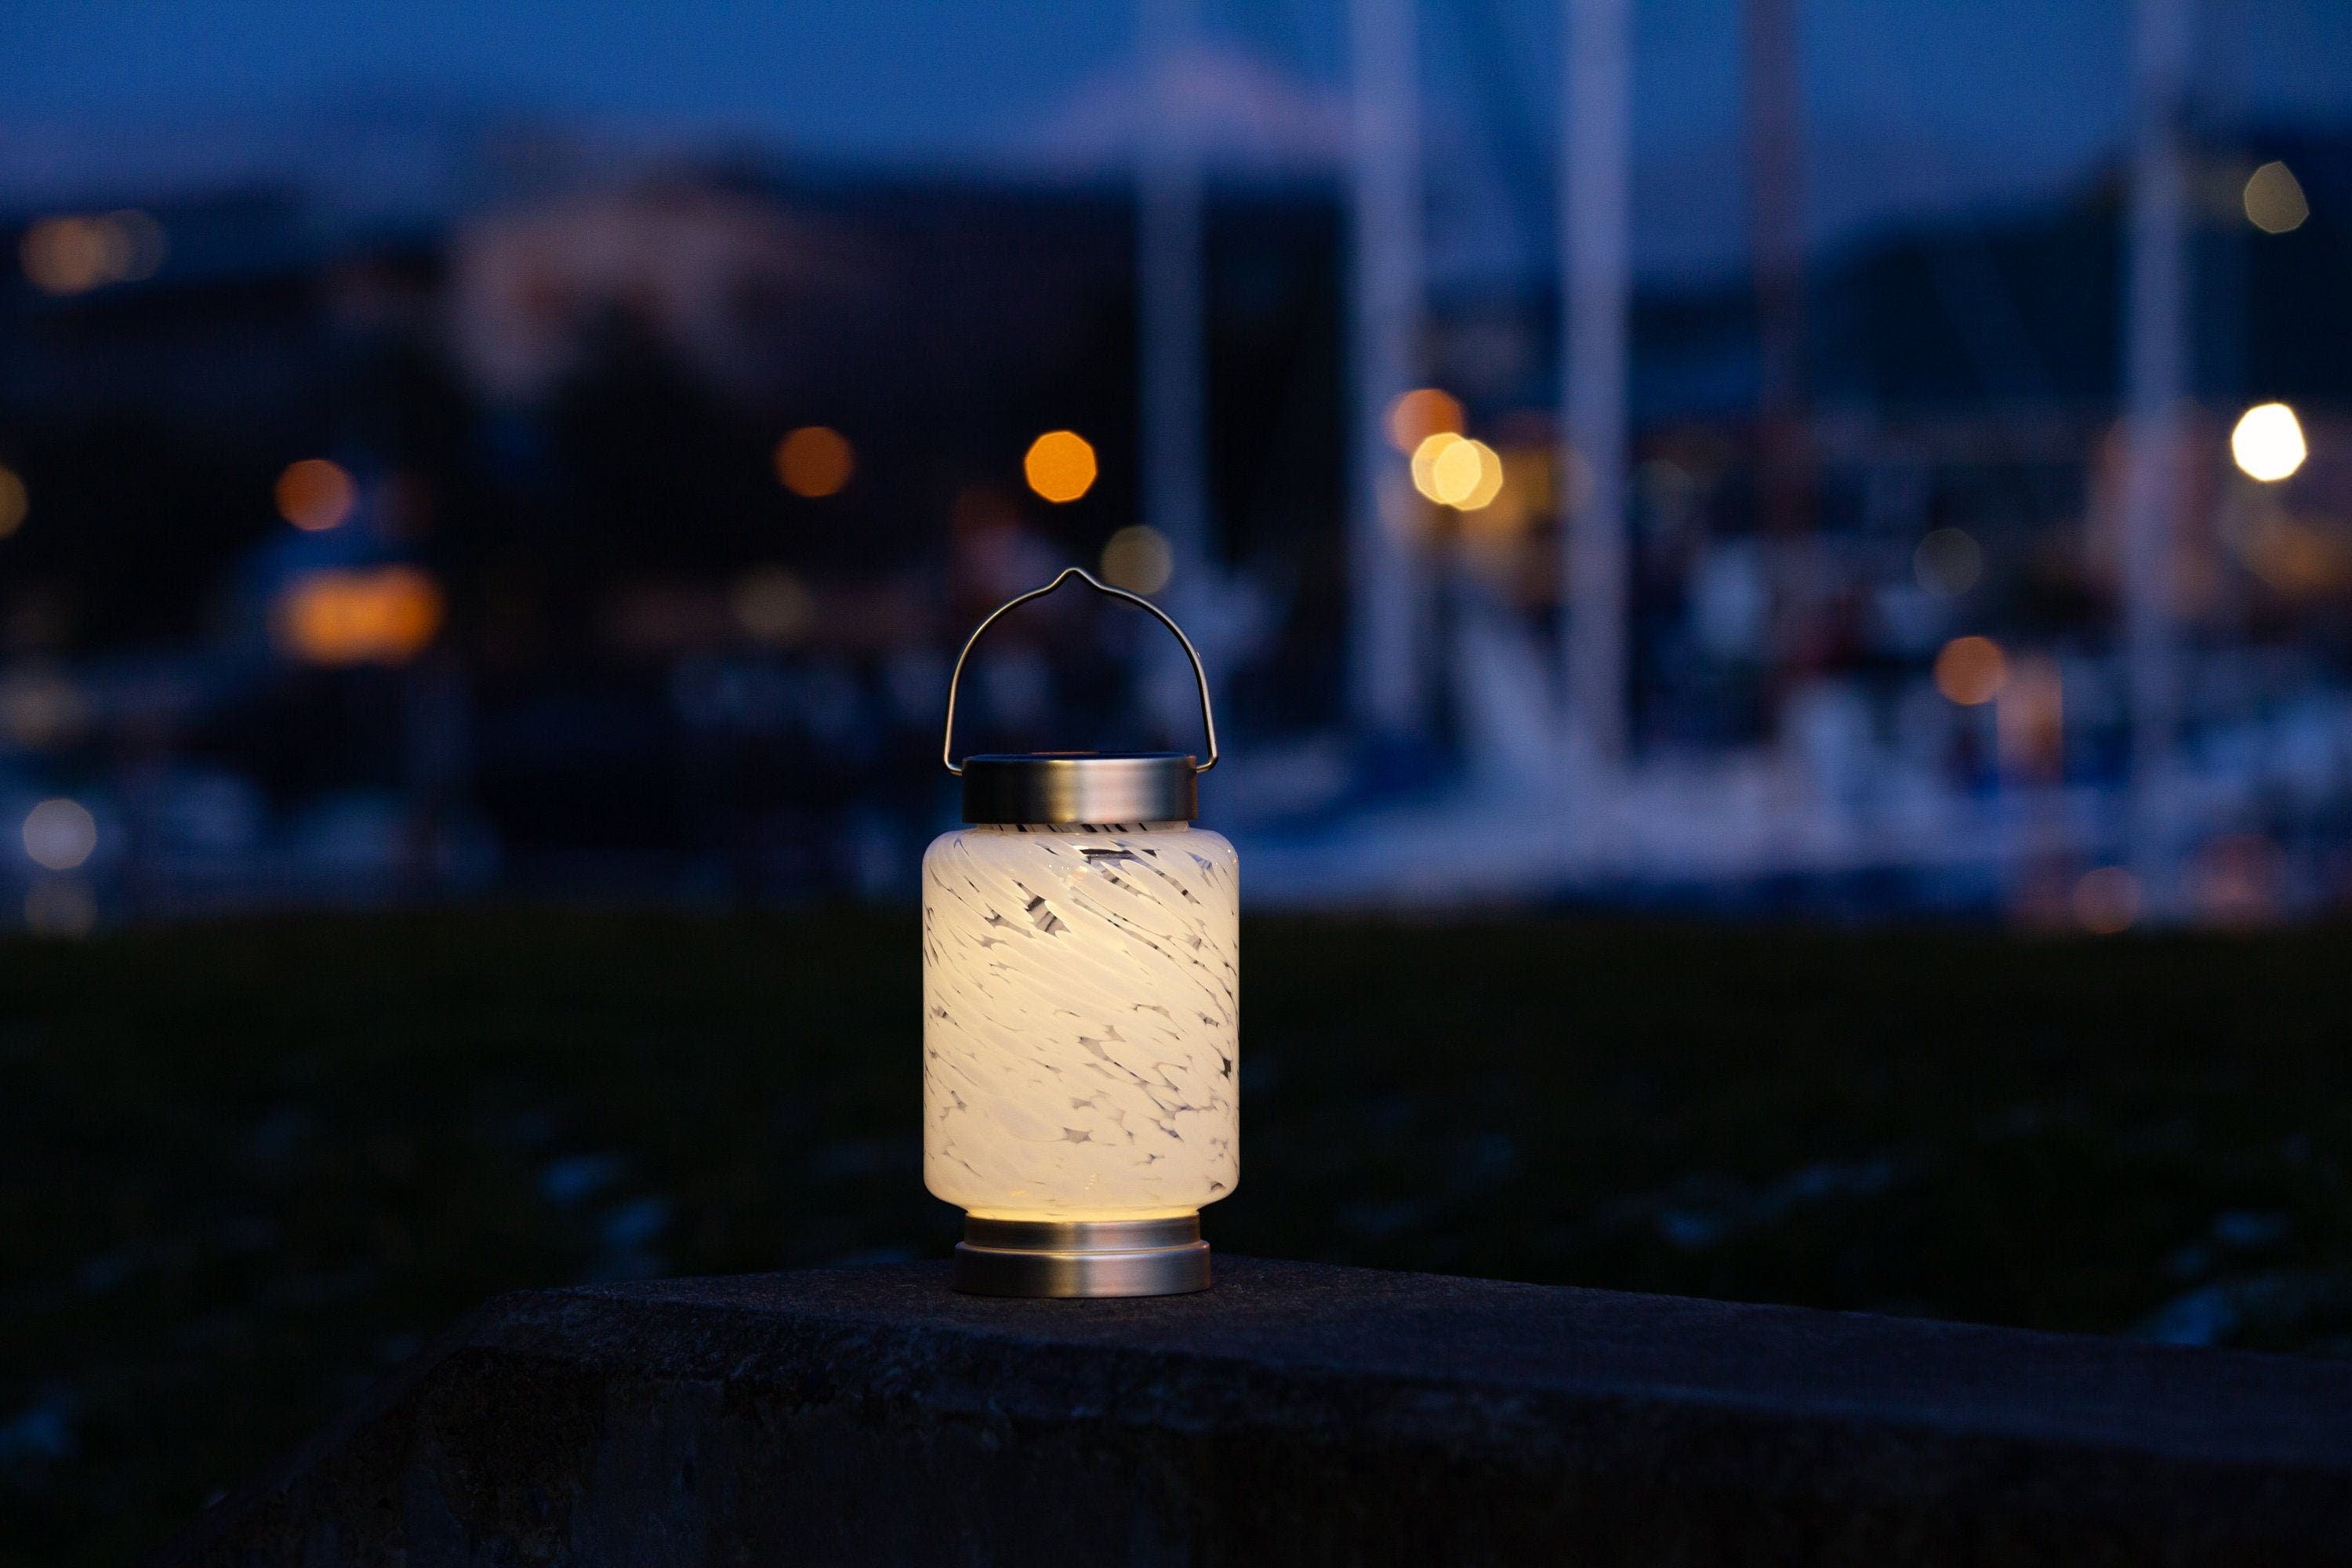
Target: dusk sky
1913 103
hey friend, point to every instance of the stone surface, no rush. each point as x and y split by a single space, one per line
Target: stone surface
1297 1413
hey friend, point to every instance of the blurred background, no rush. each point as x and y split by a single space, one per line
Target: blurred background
489 496
1846 457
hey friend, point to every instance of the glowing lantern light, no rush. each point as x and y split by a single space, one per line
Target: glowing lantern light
1060 466
384 615
1080 1026
2268 442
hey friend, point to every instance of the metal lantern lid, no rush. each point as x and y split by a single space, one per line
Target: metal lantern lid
1080 788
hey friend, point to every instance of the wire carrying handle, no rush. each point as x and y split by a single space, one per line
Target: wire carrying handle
1200 676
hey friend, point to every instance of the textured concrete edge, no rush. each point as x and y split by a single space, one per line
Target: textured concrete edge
805 1356
1949 1349
1703 1437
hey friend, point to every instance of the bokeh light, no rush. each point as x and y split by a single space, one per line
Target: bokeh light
1970 670
72 255
815 460
1060 466
1138 560
2106 901
14 502
315 494
1488 484
1425 462
772 605
1455 471
1420 413
2268 442
386 614
61 834
2274 200
1948 563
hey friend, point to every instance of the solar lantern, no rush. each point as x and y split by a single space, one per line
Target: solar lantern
1081 945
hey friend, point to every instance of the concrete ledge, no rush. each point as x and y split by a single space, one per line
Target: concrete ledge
1297 1413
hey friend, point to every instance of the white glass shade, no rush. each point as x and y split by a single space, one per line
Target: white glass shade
1081 1025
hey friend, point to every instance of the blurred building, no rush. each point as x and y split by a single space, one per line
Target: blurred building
590 528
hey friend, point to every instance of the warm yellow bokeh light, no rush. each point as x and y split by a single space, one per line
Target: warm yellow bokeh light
14 502
2274 200
315 494
1425 463
1420 413
1455 471
2106 901
384 616
814 461
2268 442
1489 482
1060 466
1138 560
1971 670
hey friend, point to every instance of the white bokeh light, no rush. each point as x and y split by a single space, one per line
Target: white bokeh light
61 834
2268 442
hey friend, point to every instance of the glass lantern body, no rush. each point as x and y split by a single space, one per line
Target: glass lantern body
1081 1025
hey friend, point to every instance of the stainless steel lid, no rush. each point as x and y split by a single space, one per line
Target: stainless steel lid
1080 788
1089 787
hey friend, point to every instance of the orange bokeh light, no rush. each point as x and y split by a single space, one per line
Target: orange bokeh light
1971 670
384 616
814 461
1420 413
315 495
1060 466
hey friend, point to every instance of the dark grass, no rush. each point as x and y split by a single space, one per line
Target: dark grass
244 1168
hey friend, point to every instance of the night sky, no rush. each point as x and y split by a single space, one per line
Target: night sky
1914 104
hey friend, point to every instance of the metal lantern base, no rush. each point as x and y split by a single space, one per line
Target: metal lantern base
1082 1258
